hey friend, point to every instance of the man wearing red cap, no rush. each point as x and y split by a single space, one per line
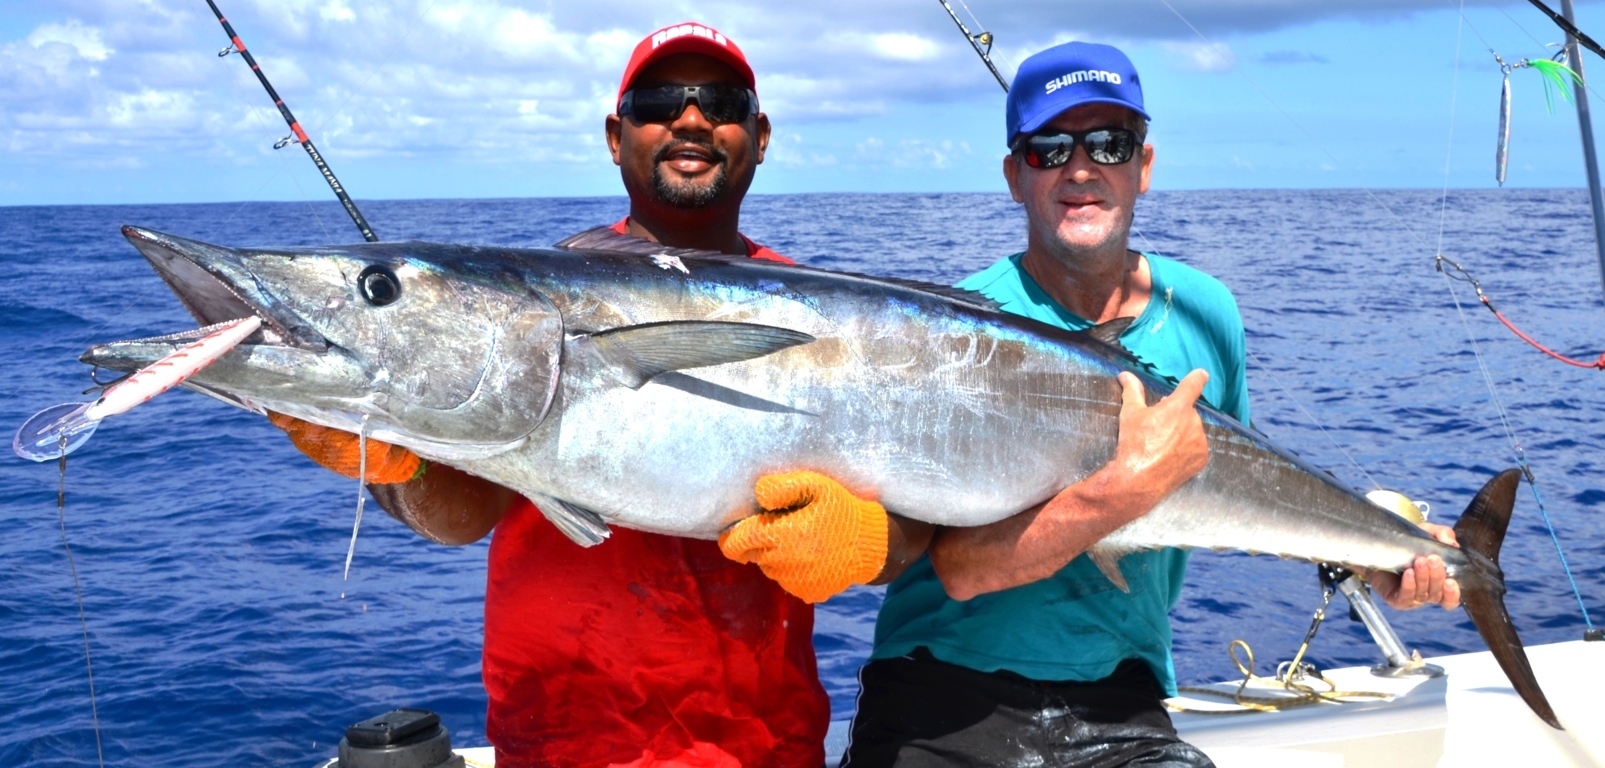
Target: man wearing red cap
652 650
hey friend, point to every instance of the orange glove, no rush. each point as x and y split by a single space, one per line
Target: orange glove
339 451
815 538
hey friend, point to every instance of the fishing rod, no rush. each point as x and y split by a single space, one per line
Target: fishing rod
976 41
1585 121
298 135
1564 22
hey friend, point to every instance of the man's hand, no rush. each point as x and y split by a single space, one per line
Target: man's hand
1160 447
815 538
1424 583
1163 444
339 451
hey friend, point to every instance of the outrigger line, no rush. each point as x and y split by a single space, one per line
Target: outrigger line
1453 270
297 134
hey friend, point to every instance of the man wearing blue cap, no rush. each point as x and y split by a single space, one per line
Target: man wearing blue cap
1006 644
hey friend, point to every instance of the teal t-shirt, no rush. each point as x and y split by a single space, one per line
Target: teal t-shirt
1076 625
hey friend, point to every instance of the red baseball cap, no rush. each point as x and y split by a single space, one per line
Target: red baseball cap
689 37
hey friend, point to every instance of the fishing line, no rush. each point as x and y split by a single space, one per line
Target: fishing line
1521 456
1454 99
297 134
362 495
1402 224
77 589
250 199
1296 402
1487 376
979 25
374 71
1541 44
284 165
977 40
1261 366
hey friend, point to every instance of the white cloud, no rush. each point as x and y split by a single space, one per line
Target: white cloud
85 40
903 46
522 79
1203 57
337 10
150 107
788 148
918 154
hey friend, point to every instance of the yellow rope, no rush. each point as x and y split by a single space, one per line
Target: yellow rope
1299 694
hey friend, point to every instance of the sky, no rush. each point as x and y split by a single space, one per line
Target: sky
127 101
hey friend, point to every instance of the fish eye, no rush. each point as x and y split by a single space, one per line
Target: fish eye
379 285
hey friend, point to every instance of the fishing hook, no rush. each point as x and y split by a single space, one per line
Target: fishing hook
103 385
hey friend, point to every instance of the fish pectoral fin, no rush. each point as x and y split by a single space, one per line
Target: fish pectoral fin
582 526
1108 561
640 352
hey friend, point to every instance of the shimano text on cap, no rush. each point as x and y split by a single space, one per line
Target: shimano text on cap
1066 76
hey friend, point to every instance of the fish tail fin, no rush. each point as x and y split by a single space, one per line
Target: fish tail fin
1481 532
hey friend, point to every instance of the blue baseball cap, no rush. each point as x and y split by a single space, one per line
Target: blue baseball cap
1069 75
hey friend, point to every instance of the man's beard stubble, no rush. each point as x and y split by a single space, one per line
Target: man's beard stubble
689 194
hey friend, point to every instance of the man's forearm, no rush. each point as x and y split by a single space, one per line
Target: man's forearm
446 505
1037 543
1161 447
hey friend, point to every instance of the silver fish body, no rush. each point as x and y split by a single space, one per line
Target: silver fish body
651 389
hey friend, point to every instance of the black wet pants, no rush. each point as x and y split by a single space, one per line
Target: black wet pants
918 712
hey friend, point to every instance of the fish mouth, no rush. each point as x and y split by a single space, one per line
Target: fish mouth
213 286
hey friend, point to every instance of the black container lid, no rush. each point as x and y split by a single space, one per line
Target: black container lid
398 726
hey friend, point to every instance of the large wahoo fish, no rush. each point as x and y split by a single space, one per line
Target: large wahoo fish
613 381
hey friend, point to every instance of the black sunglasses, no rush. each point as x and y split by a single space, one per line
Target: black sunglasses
1105 146
719 103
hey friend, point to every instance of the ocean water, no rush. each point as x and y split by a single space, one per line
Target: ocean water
210 552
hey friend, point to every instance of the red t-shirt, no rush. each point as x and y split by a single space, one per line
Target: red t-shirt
645 650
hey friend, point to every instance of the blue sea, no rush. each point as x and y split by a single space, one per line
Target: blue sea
210 551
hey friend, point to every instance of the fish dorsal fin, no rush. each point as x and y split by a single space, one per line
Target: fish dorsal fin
972 298
640 352
580 525
1109 332
606 240
1108 561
